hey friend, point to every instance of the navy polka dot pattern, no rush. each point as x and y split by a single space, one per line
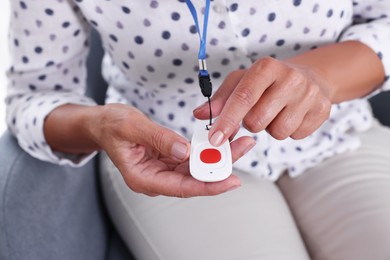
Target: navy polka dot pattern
151 63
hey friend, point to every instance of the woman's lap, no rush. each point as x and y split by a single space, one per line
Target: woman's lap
341 207
252 222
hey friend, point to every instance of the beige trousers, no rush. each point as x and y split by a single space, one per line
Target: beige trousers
337 210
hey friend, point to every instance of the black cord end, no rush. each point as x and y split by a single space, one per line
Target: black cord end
205 85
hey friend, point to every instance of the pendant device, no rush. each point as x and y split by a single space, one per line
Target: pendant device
203 76
207 162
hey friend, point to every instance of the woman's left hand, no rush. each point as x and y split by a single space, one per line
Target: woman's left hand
285 99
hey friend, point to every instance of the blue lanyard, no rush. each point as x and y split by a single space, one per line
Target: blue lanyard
203 37
204 77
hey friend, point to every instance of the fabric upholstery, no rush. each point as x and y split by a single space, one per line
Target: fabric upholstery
48 211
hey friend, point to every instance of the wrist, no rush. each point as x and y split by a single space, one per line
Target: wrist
90 122
321 79
102 124
67 129
343 68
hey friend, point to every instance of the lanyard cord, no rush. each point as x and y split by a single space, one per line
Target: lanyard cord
203 76
203 37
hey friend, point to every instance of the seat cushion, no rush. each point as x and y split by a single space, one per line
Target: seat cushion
48 211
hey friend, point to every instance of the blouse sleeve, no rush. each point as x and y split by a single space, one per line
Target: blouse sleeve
372 27
49 45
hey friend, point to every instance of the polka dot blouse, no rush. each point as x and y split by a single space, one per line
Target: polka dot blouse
151 63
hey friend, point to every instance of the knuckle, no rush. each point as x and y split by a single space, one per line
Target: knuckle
297 78
279 133
324 108
252 124
311 91
284 126
296 136
180 195
183 195
266 62
182 192
244 96
295 83
301 133
157 139
229 123
268 67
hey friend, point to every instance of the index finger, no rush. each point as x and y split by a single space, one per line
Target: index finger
246 94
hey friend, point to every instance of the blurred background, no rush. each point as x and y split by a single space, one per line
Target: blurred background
4 58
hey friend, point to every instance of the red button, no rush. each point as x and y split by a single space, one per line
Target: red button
210 156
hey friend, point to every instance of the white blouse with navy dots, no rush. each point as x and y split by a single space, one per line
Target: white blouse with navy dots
151 63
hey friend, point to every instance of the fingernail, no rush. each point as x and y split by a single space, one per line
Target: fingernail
217 138
200 107
249 147
179 150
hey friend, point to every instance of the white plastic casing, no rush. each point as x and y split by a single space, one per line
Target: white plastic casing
217 161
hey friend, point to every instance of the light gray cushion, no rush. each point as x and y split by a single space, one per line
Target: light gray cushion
47 211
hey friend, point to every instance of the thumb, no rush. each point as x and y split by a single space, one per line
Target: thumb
165 141
220 97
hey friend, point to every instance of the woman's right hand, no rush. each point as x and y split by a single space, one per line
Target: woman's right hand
152 159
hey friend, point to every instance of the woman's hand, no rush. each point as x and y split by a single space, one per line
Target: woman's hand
153 159
293 98
285 99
